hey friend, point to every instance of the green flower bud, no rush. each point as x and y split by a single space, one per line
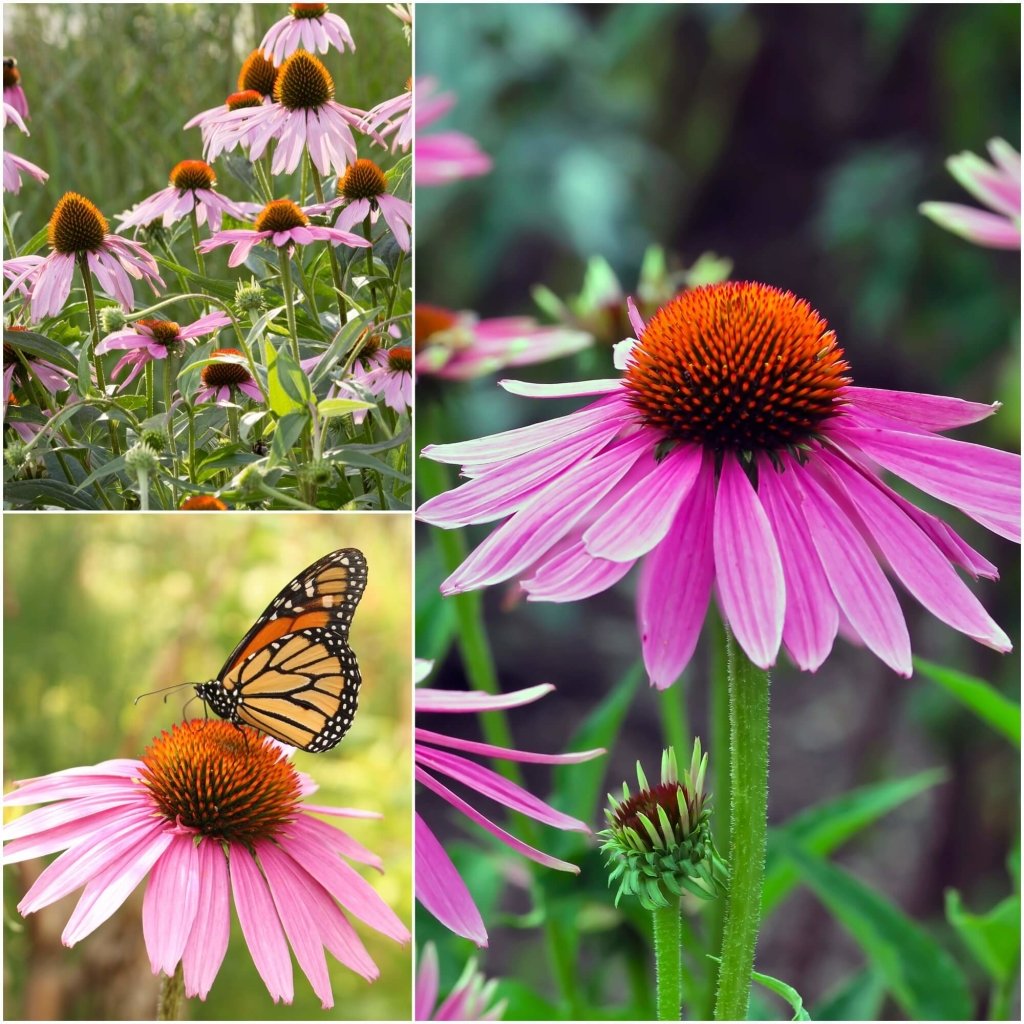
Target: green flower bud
156 439
658 842
316 473
249 298
141 458
112 318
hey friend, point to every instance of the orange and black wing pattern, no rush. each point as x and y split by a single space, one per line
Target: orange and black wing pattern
294 676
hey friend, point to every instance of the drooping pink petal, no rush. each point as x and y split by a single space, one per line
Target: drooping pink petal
978 226
675 584
261 926
55 827
504 753
208 941
170 905
484 822
495 787
428 977
473 701
571 573
103 779
748 569
440 888
812 617
858 583
916 561
929 412
574 389
545 518
333 838
641 518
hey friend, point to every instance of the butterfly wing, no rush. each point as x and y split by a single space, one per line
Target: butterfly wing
293 674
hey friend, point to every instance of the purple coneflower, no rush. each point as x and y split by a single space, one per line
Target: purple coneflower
438 885
212 816
15 165
14 94
997 185
445 156
309 27
191 187
392 115
77 233
227 374
16 365
255 87
282 223
362 193
734 456
304 116
387 373
470 999
152 338
461 346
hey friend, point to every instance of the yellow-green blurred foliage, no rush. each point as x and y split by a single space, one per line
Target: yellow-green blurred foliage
100 609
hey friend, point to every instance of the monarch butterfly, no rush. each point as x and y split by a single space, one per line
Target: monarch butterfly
293 675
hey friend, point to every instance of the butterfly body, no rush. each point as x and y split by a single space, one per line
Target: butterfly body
293 675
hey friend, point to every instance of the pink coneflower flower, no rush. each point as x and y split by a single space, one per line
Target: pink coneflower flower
387 373
438 885
14 94
255 88
305 116
997 185
15 165
212 816
735 456
309 27
150 339
77 234
393 115
461 346
446 156
53 379
362 193
472 998
191 188
226 375
281 223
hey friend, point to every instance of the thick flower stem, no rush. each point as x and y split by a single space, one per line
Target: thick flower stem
667 961
94 323
318 188
748 748
12 249
200 262
150 389
170 375
368 231
396 285
171 1000
289 305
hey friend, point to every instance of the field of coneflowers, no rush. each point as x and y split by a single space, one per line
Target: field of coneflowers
207 290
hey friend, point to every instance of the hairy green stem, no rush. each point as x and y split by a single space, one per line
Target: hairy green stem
667 961
200 262
289 305
170 366
339 289
263 178
170 1002
286 499
748 833
368 231
12 249
94 322
150 389
396 285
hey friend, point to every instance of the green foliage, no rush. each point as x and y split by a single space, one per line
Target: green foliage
992 938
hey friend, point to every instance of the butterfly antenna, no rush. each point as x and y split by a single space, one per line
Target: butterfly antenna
165 690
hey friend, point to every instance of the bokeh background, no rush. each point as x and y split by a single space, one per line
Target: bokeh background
798 141
100 609
110 86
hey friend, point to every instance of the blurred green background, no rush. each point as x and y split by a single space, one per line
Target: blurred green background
797 140
110 86
100 609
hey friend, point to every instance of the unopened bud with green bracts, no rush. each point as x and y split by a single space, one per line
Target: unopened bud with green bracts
658 843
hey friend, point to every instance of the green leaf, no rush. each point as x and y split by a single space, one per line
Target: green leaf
285 392
48 492
577 788
40 346
84 380
341 344
922 977
823 828
288 431
361 460
780 988
101 472
978 696
341 406
860 997
993 938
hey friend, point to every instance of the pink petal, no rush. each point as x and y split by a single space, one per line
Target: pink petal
641 518
812 617
495 787
208 941
675 584
504 753
929 412
261 926
103 779
170 905
916 561
574 389
474 815
473 700
428 977
571 573
440 888
859 585
751 586
333 838
977 226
